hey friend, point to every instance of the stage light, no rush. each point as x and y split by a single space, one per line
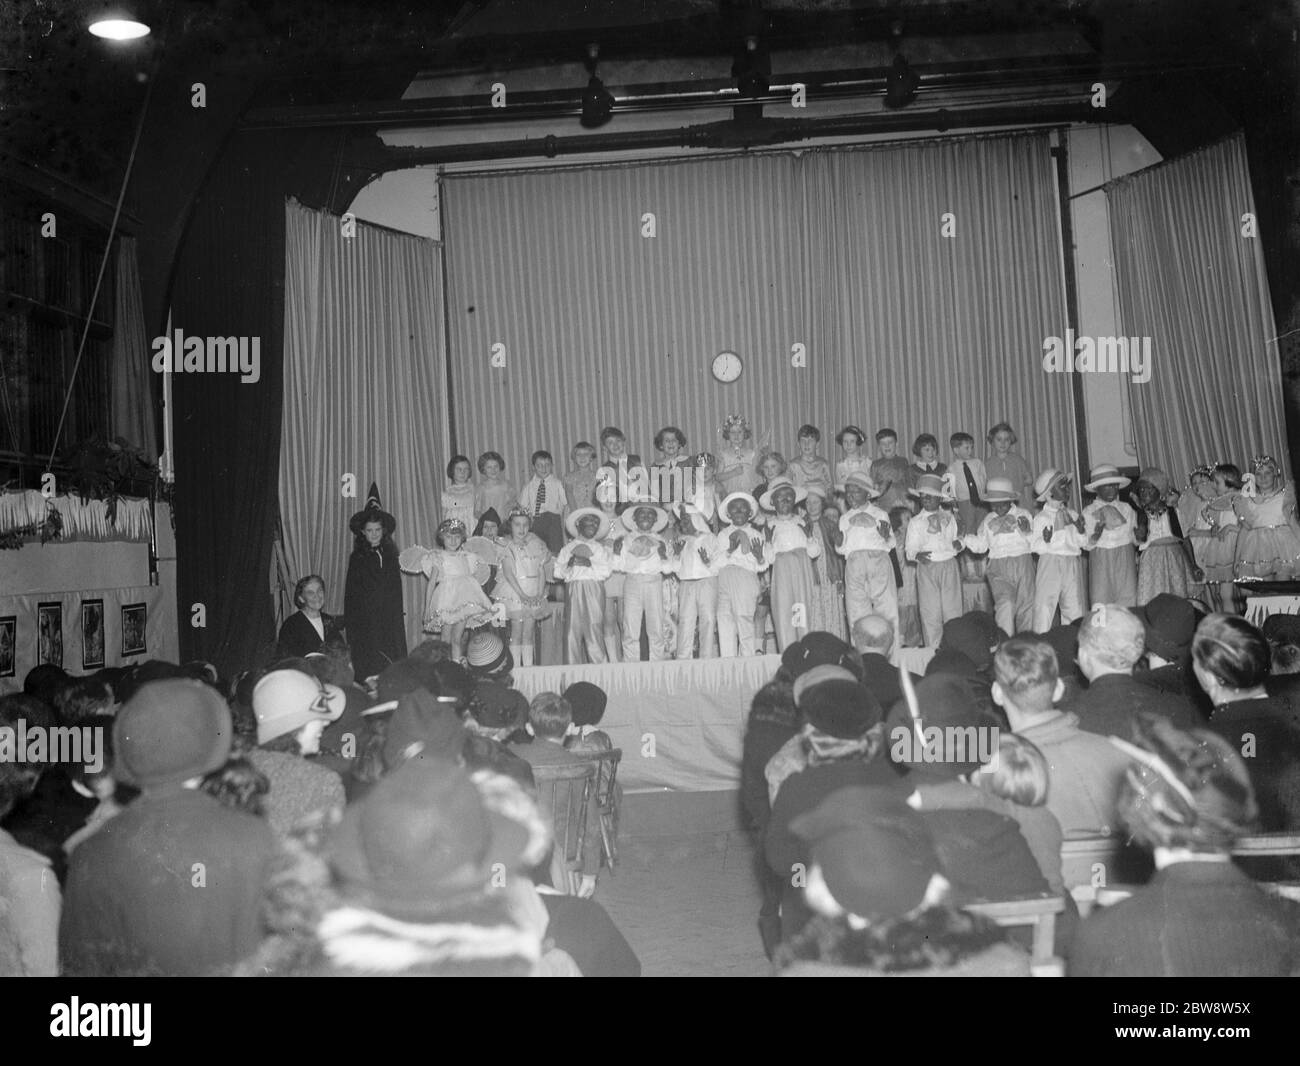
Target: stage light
118 25
901 85
597 101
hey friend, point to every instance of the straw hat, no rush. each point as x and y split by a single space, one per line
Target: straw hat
1047 481
749 500
571 523
1105 474
628 517
1000 490
931 485
863 480
779 482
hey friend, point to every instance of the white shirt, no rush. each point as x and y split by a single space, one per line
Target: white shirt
690 567
743 556
865 538
921 537
631 559
1001 536
1110 538
1066 539
959 486
788 535
602 562
555 501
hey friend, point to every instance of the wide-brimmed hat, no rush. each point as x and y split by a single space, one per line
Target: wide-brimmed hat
373 512
1000 490
628 517
286 700
1105 474
171 731
424 726
1046 481
863 480
486 655
727 502
931 485
423 841
782 482
571 523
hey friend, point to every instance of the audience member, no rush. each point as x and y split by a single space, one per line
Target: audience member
873 639
29 891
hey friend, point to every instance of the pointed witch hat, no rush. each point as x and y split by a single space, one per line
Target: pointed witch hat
373 512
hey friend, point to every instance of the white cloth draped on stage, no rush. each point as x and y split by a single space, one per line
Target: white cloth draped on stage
81 521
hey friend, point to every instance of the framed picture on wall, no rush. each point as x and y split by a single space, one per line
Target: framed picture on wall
49 633
133 617
8 641
92 634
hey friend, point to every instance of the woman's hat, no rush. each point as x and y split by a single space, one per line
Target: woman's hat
496 707
1047 481
778 482
931 485
839 707
587 702
1000 490
820 648
571 523
628 517
487 655
1105 474
424 726
1170 623
727 502
373 512
171 731
286 700
423 840
863 480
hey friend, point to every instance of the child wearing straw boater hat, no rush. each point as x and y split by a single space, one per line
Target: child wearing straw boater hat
871 572
642 557
1004 535
584 564
697 552
1057 538
744 554
1110 522
933 541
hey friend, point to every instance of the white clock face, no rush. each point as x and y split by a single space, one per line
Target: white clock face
727 366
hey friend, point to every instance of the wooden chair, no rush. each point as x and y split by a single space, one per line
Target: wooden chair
1037 911
564 794
607 798
1258 844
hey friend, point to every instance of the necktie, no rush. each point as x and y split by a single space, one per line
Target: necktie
541 496
970 484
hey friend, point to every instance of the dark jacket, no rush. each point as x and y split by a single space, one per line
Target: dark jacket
1108 705
584 929
298 637
1193 919
763 739
372 608
984 854
170 887
1270 727
880 677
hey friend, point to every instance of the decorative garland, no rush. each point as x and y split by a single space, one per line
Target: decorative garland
28 515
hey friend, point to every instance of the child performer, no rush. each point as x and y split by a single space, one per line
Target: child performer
1110 524
871 575
526 566
968 480
584 564
744 556
737 456
850 439
910 634
826 612
458 497
1269 543
697 554
544 499
1057 538
1166 563
1004 535
925 449
809 469
933 541
669 475
1001 461
456 598
642 556
792 554
889 471
1216 549
704 493
607 501
580 481
494 492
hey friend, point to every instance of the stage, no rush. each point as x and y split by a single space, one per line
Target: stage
680 723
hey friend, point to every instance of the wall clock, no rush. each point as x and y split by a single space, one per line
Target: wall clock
727 366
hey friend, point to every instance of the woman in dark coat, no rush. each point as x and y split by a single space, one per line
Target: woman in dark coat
372 599
309 627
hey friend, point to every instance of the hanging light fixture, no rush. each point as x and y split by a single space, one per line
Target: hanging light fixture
752 69
901 82
115 23
597 101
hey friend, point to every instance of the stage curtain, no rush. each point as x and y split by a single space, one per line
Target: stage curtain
1188 278
611 289
132 382
364 387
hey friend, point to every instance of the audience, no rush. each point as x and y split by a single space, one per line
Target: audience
29 891
873 639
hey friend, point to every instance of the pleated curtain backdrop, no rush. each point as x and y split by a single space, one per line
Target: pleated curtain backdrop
1188 278
132 378
364 392
607 292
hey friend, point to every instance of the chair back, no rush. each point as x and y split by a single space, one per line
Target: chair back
606 774
1037 911
563 794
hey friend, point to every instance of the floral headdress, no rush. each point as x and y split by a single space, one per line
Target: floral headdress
1205 470
1263 460
732 421
451 525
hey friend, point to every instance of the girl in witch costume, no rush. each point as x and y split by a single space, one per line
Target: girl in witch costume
456 598
372 598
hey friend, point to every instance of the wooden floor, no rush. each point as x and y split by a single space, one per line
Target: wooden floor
683 892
